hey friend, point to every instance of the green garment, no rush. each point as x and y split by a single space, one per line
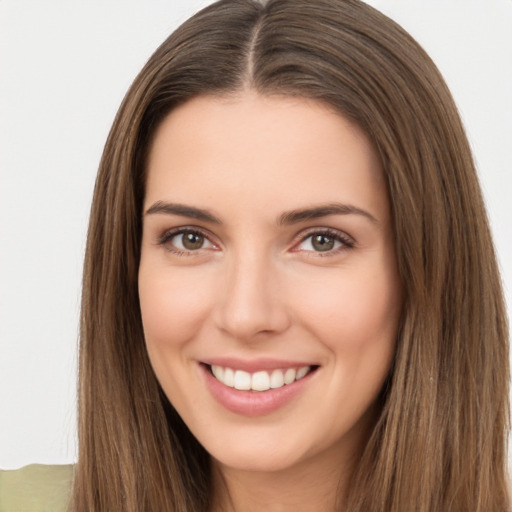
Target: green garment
36 488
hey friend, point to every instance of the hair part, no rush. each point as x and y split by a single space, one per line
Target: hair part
440 441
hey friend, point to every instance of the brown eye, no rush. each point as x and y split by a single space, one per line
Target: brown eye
192 241
322 242
328 241
186 240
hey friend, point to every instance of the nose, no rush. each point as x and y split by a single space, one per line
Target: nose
253 304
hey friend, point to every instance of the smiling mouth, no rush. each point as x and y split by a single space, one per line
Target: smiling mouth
261 380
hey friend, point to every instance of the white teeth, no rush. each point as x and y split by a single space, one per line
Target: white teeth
290 375
229 377
302 372
277 379
258 381
218 371
242 380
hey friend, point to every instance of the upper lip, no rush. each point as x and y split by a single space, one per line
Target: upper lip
254 365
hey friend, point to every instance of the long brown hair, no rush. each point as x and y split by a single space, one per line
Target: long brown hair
439 444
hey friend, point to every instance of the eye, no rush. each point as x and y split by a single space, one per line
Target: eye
185 240
325 241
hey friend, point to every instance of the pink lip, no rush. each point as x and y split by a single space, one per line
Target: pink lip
253 403
255 365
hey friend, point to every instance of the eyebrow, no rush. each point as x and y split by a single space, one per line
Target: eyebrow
183 211
316 212
287 218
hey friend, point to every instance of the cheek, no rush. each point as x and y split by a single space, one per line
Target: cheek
353 302
172 307
357 321
172 311
355 315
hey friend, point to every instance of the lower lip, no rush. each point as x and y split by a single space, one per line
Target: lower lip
253 403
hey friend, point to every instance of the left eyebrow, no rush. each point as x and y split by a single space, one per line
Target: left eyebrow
316 212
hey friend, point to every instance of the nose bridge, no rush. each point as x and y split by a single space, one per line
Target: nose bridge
252 301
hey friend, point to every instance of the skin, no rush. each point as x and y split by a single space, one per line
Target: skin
256 287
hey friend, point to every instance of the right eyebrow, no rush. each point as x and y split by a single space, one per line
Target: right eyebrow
183 211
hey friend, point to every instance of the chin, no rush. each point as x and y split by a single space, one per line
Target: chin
258 461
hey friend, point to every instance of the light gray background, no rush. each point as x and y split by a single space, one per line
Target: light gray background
64 68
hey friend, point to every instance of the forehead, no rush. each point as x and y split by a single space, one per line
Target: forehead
262 151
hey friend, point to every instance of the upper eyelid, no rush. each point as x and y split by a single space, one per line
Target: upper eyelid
184 229
347 243
304 234
167 234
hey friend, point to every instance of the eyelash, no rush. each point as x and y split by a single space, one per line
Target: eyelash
170 234
346 242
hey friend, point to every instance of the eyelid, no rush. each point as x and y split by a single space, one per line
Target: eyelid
347 241
169 234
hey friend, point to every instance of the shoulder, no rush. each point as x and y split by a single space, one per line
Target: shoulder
36 488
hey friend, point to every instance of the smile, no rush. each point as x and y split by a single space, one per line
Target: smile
260 388
258 381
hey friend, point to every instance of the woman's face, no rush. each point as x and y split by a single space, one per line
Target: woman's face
268 260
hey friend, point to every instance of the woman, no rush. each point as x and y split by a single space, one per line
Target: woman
434 439
388 298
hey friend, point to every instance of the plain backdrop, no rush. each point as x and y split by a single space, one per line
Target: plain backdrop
64 68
